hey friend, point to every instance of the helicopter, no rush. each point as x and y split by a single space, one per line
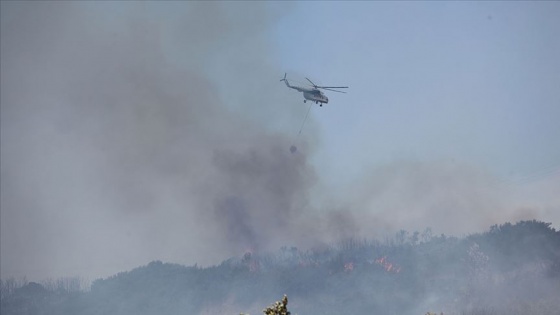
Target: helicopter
313 93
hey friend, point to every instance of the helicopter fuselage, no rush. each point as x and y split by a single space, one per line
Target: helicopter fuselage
316 96
311 94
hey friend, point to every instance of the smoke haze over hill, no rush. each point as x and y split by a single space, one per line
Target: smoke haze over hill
509 269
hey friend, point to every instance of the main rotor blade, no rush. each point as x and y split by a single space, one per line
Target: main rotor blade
311 82
333 90
331 87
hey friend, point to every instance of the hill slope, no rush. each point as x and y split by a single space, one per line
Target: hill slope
510 269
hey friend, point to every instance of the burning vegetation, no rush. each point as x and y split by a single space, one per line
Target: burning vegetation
388 266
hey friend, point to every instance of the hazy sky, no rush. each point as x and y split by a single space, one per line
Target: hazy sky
136 131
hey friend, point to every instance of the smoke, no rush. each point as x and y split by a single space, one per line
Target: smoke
122 142
134 132
447 196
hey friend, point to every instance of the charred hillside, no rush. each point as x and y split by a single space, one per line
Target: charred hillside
509 269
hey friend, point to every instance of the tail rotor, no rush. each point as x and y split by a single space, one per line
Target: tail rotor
285 81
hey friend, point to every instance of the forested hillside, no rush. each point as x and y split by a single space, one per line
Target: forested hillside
509 269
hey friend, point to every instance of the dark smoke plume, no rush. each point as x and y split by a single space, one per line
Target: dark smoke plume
121 141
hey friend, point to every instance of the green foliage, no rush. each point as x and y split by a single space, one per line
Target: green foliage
278 308
511 246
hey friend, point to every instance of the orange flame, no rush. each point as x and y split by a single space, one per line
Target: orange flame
389 267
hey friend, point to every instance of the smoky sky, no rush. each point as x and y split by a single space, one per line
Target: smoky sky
132 133
108 150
